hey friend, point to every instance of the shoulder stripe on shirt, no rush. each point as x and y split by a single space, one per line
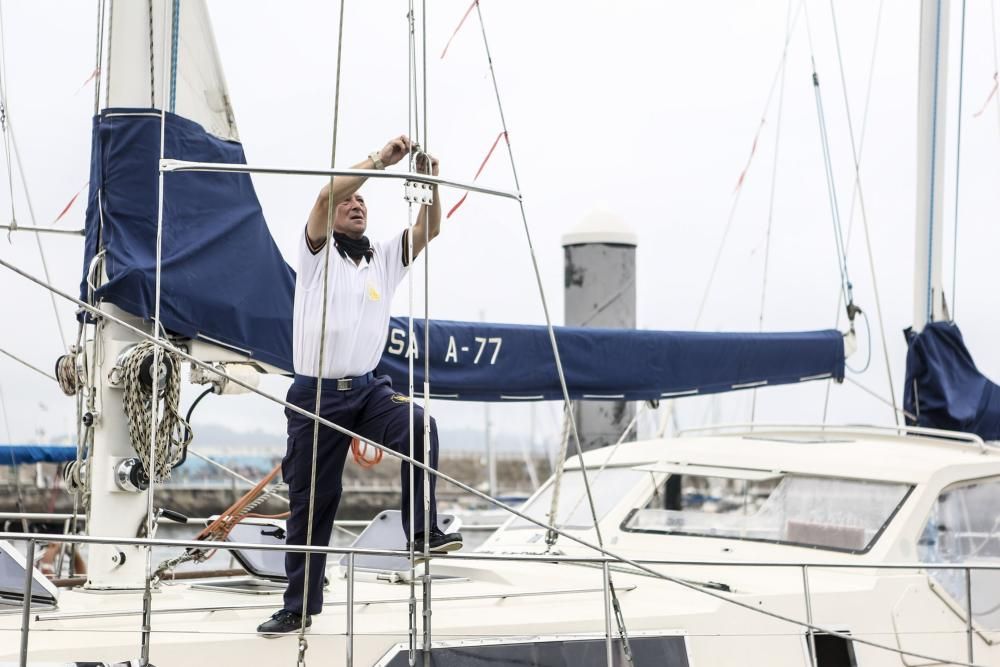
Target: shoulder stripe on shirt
309 244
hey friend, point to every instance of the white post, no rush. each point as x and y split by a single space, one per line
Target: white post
928 292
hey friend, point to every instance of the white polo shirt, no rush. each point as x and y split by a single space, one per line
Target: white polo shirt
358 302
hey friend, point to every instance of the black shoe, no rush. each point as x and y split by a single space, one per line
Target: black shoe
439 543
281 623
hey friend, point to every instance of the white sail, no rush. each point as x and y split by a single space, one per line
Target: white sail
162 54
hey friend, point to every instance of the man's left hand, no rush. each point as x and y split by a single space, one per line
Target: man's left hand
422 164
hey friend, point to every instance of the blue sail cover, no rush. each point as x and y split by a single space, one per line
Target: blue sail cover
224 280
493 362
18 454
944 389
222 277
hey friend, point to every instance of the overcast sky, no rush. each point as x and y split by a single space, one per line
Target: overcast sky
646 109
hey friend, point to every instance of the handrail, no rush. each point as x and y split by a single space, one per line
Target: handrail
339 523
809 625
948 437
491 557
169 166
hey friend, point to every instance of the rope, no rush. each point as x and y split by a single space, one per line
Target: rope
66 374
172 433
152 77
457 483
551 535
219 529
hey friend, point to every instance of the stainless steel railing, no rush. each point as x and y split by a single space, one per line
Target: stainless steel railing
603 561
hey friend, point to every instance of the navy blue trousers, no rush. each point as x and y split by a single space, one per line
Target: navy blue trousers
374 411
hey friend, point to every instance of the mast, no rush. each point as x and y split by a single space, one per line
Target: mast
928 290
157 55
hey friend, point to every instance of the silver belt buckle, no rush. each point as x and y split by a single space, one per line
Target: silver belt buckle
344 384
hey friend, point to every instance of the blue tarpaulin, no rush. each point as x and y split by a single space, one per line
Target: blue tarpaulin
944 389
18 454
224 280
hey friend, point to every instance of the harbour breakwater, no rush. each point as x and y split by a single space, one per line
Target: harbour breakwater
198 489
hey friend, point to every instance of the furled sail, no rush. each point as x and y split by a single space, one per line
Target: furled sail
944 389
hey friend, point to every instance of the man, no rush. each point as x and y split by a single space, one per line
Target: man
362 279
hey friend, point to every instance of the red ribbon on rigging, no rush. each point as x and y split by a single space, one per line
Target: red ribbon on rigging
93 75
753 149
987 102
502 135
70 204
459 27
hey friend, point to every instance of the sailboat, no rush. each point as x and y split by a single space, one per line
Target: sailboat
794 545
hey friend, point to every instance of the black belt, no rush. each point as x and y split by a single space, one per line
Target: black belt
340 384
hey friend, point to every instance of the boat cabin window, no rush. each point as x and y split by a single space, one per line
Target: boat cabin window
828 513
12 571
573 512
964 527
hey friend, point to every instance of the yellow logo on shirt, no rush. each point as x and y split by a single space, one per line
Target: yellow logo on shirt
373 294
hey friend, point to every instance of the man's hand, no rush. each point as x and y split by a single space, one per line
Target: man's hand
395 150
422 164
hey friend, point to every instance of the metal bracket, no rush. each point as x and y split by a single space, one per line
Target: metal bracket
417 192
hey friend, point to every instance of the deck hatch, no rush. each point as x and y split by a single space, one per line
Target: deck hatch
664 651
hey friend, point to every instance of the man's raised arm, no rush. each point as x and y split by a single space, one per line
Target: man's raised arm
345 186
421 232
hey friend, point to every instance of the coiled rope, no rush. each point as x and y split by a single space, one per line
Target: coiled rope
172 432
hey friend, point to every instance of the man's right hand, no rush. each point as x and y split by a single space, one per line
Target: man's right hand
395 150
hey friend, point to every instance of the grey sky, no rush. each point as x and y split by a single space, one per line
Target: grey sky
648 109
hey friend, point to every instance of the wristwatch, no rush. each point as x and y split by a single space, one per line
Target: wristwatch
376 159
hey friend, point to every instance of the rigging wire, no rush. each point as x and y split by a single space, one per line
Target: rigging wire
166 345
738 191
857 195
147 596
303 645
838 232
31 366
98 58
427 348
774 181
958 165
412 129
552 339
10 146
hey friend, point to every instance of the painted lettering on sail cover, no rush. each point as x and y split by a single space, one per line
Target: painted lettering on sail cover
484 350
